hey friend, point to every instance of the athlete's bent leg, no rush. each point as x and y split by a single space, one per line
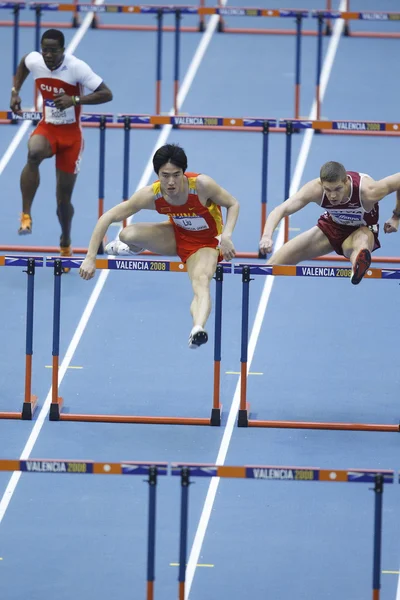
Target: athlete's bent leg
39 148
201 268
155 237
305 246
358 247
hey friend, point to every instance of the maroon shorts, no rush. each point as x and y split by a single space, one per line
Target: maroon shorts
337 233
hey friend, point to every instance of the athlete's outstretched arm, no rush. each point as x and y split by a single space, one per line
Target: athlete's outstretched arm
217 194
392 224
20 76
142 199
310 192
373 191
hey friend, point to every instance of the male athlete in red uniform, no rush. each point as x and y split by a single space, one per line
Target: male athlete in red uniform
60 78
194 230
349 226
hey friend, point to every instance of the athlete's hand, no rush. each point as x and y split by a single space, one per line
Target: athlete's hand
63 101
227 247
15 103
391 225
266 244
88 268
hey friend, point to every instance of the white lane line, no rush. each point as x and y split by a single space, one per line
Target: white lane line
23 128
226 439
190 74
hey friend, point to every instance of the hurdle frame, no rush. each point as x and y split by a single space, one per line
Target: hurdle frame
57 402
30 400
187 471
246 271
152 470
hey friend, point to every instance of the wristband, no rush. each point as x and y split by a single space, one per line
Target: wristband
396 214
14 90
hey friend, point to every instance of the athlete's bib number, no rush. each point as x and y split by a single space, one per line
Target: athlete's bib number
351 218
58 117
191 223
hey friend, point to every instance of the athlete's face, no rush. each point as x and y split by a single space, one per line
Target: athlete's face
335 191
52 53
171 178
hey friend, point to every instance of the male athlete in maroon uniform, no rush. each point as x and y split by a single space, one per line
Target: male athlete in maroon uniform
349 226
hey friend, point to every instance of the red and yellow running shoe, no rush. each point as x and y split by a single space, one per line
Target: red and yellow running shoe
361 266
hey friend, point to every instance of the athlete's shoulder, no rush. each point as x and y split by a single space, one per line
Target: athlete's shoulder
77 65
33 59
144 197
71 59
313 188
204 182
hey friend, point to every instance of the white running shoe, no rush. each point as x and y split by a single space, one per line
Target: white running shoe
197 337
118 248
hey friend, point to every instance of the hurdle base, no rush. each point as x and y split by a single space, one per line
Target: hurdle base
243 416
129 419
216 414
322 425
10 415
28 409
55 410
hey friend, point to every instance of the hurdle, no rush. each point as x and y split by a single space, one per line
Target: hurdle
87 467
127 264
30 401
127 122
322 16
365 15
187 471
263 125
159 12
249 270
100 121
346 16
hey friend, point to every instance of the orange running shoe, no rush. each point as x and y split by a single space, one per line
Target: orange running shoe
25 224
66 251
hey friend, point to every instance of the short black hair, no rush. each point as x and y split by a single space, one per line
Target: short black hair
170 153
332 171
54 34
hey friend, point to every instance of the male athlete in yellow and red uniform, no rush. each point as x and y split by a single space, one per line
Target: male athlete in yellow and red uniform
194 229
60 78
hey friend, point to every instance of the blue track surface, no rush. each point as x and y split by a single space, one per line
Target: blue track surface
326 351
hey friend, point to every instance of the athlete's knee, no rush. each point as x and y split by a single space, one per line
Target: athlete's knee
201 282
35 156
127 235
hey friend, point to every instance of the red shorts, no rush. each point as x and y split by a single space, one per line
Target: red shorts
66 142
337 233
186 247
